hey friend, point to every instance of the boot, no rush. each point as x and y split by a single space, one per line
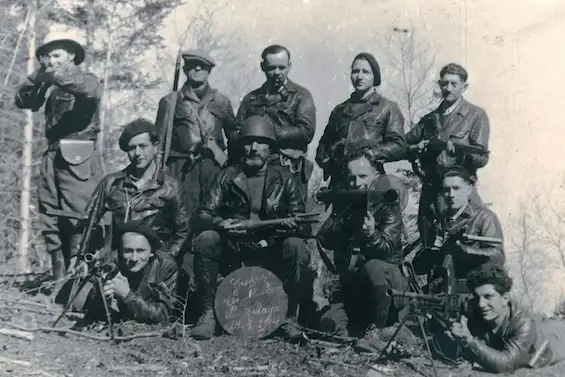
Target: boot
380 304
206 273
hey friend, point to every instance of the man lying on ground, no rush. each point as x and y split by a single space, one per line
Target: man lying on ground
144 285
496 333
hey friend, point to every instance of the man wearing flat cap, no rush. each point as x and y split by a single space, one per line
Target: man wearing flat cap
143 191
197 145
71 166
290 107
239 196
143 289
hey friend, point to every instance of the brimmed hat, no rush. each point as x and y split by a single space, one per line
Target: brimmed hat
68 38
198 55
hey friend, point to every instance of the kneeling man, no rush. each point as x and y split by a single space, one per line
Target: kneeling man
367 248
240 195
496 333
143 288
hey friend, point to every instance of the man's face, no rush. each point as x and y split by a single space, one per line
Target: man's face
141 151
135 251
456 192
361 75
196 71
361 173
256 153
452 87
57 57
491 305
276 68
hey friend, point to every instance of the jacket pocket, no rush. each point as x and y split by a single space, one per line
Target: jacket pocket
78 156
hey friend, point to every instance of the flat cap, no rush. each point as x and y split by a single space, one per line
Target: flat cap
132 129
198 55
140 227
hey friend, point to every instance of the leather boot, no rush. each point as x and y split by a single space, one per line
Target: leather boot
206 273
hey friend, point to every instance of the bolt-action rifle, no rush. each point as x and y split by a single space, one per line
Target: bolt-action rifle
250 225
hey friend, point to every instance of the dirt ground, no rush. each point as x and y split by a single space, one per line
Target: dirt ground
50 354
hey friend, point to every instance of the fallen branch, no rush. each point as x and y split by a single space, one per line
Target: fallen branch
123 338
17 333
25 364
328 361
344 339
137 368
258 368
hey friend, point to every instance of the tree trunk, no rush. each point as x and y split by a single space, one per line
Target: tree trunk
24 265
90 27
104 101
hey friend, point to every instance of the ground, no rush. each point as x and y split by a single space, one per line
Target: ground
56 355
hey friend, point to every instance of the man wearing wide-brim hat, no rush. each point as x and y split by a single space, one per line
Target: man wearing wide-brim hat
71 167
198 114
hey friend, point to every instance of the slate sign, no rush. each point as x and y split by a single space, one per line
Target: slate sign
250 303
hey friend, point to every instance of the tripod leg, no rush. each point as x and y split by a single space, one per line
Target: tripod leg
105 302
383 352
71 300
421 324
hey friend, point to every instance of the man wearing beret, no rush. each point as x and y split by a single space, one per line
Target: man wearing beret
291 109
143 289
455 121
143 191
239 196
197 149
71 166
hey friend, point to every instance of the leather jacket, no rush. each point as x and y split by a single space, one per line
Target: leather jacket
159 203
71 109
470 126
151 300
227 198
214 110
343 233
292 110
478 221
375 123
511 347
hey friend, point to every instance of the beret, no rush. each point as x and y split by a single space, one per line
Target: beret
198 55
132 129
140 227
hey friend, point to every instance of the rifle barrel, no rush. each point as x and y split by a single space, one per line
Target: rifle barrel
472 237
68 214
418 296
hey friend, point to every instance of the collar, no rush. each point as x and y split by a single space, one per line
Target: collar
460 107
189 93
288 86
157 178
373 97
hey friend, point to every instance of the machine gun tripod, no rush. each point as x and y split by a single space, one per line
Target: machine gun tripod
440 307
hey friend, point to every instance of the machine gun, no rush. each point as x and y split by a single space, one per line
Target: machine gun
254 225
443 309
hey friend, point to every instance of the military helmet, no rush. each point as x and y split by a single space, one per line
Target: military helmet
258 127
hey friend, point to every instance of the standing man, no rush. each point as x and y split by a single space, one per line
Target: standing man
143 191
240 195
456 123
197 149
71 166
290 107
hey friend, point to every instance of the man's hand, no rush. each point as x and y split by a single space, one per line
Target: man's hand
450 147
44 75
460 331
118 287
289 224
422 145
369 225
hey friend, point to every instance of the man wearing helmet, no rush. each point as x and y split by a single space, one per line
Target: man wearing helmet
250 191
71 166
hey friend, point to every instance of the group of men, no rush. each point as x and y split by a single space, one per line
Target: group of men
186 219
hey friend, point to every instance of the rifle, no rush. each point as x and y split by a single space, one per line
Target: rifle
67 214
305 218
166 116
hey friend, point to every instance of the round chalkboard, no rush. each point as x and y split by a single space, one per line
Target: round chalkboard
250 303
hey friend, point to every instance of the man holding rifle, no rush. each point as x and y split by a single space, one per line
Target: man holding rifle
367 255
241 200
469 233
456 133
71 166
